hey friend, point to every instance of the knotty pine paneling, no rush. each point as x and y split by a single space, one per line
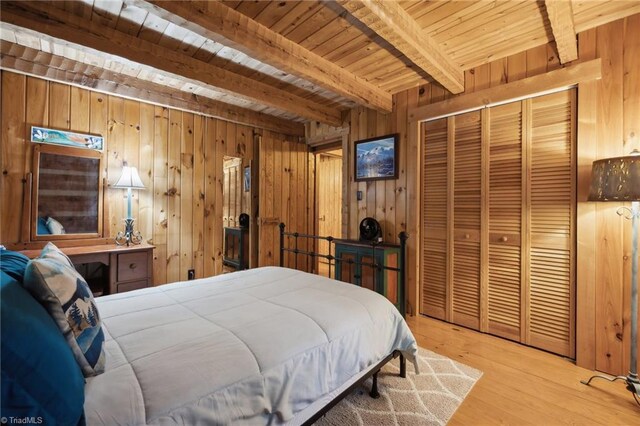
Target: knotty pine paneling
286 175
179 156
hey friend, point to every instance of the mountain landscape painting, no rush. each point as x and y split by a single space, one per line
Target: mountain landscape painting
376 158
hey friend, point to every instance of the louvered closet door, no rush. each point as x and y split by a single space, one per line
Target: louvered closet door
505 220
551 293
467 157
434 219
499 221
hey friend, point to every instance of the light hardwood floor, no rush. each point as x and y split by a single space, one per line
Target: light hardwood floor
522 385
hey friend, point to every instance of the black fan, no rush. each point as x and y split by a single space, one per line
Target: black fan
370 229
244 220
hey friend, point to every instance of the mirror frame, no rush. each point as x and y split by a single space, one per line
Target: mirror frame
71 152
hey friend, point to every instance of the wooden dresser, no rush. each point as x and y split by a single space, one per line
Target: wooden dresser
352 265
111 269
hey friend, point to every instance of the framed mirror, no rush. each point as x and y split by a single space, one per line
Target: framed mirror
67 195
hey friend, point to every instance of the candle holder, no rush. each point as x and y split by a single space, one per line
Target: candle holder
129 236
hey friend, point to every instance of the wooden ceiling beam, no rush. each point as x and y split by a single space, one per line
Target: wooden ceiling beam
25 60
560 14
214 20
391 22
57 23
537 85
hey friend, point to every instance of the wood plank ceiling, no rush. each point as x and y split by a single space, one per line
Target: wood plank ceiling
276 64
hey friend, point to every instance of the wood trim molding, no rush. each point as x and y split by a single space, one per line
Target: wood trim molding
560 14
540 84
47 19
325 138
413 228
24 60
586 217
216 21
391 22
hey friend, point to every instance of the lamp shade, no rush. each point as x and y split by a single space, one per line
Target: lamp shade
616 179
129 179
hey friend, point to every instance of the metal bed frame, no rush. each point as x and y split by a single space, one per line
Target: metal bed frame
333 262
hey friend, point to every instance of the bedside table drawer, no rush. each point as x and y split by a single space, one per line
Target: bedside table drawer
135 285
132 266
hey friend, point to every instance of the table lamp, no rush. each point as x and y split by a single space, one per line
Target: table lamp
129 180
618 179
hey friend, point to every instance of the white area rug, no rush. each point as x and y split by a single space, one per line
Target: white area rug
430 398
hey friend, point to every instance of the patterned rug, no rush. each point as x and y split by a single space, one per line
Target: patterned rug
429 398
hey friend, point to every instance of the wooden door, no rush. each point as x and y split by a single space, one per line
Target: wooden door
467 191
328 203
435 219
232 191
505 220
551 292
499 221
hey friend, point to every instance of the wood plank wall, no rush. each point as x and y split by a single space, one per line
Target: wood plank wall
287 176
179 156
608 126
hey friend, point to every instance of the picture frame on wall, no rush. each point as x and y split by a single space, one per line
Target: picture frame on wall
376 158
66 138
247 179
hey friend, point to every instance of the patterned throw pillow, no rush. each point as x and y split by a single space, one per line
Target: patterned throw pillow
55 227
53 281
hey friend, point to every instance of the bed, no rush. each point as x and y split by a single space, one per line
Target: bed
269 345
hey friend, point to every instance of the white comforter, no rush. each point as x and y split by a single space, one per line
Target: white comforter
253 347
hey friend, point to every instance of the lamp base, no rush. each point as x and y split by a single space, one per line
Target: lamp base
633 385
129 236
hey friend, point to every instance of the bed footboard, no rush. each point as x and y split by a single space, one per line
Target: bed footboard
334 260
372 372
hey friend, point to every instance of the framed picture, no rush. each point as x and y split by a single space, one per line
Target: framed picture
63 137
247 179
376 158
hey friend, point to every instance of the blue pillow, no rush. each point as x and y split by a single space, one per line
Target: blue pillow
43 229
13 264
54 282
40 376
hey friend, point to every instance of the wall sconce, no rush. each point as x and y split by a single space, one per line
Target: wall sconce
129 180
